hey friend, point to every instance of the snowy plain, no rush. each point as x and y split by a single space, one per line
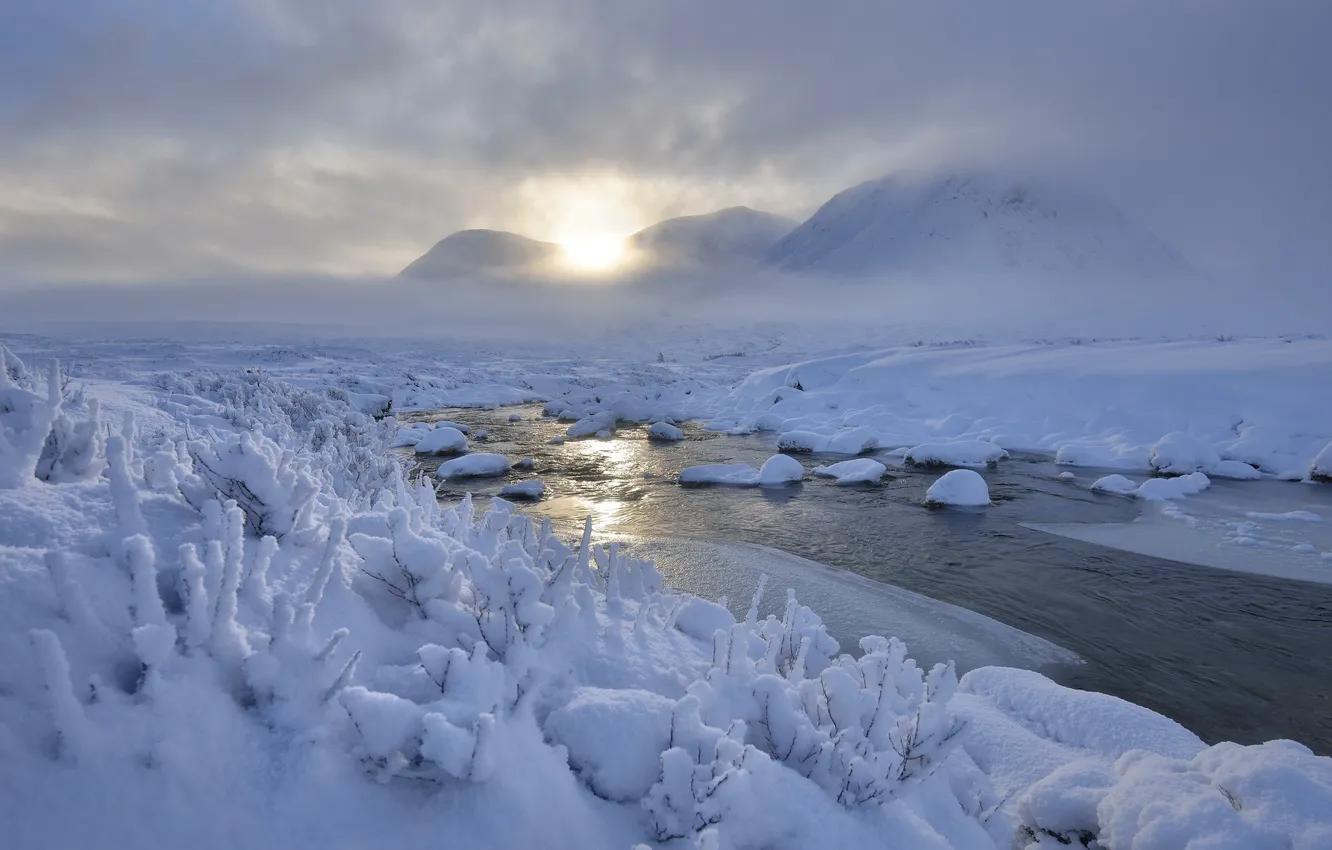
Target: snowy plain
390 670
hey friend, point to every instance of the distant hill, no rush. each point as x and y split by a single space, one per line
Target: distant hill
736 235
471 251
970 222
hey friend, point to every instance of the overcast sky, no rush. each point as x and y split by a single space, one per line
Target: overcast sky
162 138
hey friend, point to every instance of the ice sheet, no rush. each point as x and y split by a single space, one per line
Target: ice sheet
1246 527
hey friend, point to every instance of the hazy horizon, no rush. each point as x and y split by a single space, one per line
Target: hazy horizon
282 138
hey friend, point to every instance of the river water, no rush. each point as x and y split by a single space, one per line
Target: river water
1232 656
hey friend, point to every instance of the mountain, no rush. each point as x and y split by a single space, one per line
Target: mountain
736 235
970 222
470 251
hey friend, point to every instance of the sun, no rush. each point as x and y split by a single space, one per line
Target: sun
594 253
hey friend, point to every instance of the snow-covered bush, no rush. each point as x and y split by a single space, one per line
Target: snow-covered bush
26 418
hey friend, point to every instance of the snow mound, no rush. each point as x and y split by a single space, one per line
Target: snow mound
962 487
1178 453
480 465
442 441
1273 795
531 489
956 453
970 222
1234 470
614 738
1153 489
665 432
861 470
1089 721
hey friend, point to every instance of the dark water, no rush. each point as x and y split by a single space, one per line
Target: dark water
1232 656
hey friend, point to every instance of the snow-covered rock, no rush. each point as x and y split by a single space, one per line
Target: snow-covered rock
409 435
1153 489
480 465
1116 485
737 474
957 453
665 432
853 441
530 489
802 441
441 441
780 470
963 487
615 738
592 425
1234 470
1161 489
457 426
515 417
777 471
861 470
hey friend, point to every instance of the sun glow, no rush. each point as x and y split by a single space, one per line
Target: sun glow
594 254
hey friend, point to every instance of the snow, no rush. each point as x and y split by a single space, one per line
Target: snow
327 642
665 432
530 489
1178 453
861 470
963 487
476 465
956 453
442 440
777 471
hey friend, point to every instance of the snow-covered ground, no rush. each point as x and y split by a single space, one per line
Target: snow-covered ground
219 584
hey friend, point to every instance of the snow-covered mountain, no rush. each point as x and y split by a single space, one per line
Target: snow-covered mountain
971 222
469 251
735 235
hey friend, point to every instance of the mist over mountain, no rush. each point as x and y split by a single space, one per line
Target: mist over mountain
471 251
735 235
970 222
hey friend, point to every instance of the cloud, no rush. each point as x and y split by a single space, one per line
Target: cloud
150 140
